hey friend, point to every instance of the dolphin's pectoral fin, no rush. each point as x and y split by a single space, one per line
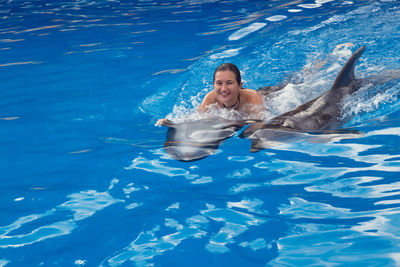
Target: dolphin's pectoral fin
252 129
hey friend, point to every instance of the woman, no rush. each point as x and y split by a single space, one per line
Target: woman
229 94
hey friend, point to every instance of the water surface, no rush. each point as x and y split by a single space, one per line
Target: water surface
84 178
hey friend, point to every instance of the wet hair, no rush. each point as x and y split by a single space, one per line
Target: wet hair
231 67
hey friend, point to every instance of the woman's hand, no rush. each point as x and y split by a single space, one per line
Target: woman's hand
161 122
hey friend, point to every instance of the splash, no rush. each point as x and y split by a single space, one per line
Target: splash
313 79
371 100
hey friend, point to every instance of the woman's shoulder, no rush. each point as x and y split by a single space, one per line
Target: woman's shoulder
252 96
210 97
249 91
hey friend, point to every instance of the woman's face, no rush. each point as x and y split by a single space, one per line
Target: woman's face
226 88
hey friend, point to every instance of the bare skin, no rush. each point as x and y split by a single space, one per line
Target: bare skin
228 93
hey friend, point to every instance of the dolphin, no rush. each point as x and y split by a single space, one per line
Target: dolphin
316 120
320 114
194 140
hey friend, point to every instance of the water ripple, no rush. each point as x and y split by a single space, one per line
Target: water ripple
82 205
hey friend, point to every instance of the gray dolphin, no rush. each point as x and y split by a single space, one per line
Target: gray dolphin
319 114
194 140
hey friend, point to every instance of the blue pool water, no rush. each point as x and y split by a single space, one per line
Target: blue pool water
84 179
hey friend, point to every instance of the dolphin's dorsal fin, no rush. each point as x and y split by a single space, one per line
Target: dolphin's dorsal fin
346 75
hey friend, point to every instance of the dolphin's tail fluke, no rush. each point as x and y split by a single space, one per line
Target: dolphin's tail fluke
346 75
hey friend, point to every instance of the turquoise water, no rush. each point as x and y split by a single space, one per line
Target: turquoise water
84 177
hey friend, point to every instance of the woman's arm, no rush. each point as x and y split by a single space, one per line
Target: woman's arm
208 100
161 122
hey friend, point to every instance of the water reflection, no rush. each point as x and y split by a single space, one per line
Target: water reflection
299 203
337 230
82 205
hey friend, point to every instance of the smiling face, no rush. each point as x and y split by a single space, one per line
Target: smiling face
226 88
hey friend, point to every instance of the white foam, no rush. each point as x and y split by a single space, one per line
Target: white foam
291 96
361 102
246 31
313 80
276 18
294 10
309 5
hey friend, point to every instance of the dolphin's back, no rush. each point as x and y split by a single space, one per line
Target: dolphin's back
320 113
346 77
